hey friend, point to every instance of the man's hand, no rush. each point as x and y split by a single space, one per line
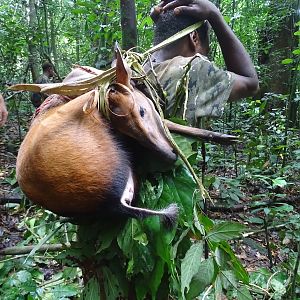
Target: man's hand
198 9
3 111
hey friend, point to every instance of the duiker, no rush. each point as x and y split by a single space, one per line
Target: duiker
73 163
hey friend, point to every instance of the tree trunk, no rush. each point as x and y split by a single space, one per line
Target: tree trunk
32 43
102 57
53 40
46 25
275 47
128 23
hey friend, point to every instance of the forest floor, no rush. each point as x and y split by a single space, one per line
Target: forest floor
251 250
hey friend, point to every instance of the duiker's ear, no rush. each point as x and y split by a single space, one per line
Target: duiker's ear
123 71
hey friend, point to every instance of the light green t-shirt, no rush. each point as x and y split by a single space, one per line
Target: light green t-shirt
208 87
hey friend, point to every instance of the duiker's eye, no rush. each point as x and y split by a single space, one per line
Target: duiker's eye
142 112
112 91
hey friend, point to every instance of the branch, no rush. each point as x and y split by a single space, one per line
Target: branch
27 249
4 201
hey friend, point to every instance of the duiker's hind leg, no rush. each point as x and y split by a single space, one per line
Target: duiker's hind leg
128 193
168 214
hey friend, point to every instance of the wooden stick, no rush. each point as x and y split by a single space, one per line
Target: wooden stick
203 134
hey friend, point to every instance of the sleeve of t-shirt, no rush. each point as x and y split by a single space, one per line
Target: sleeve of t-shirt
209 89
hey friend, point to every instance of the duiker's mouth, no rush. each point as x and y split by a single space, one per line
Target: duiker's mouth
164 152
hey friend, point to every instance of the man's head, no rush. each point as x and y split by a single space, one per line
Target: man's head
48 69
168 23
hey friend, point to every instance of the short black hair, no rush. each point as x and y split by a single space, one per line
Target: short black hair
168 24
46 65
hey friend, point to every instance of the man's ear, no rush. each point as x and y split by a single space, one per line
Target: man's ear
194 39
196 44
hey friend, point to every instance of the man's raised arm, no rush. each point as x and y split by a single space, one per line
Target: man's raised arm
236 58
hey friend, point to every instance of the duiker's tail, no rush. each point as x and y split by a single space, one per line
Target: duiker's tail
168 214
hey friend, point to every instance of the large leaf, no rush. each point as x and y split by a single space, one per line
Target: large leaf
202 279
126 237
244 294
91 290
108 233
228 279
185 144
141 288
111 284
225 231
156 277
218 288
190 265
180 188
235 264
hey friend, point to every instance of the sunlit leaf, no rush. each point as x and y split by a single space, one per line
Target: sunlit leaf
287 61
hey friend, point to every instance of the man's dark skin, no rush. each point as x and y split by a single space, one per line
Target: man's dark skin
236 58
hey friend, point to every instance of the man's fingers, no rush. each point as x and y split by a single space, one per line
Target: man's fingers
155 12
179 7
184 10
176 3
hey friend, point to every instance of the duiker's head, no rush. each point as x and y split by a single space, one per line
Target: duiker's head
133 114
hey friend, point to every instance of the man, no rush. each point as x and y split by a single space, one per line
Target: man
3 111
48 73
183 64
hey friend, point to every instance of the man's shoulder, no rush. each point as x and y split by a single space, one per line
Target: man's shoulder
182 61
177 66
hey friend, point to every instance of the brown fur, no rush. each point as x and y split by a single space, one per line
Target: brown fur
66 160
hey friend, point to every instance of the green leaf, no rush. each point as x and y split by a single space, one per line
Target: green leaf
287 61
111 284
108 234
180 188
218 287
279 287
225 231
91 290
141 288
23 276
156 277
190 265
234 264
297 32
296 52
228 279
244 294
125 238
227 19
64 291
279 182
43 241
221 257
185 144
175 247
202 279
